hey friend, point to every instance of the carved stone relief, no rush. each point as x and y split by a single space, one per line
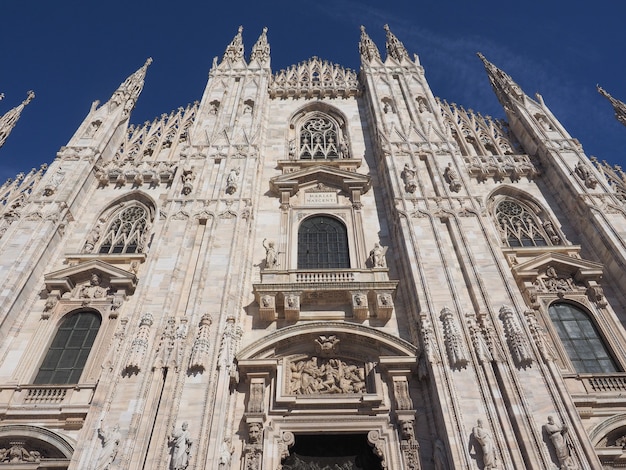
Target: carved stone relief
317 376
17 453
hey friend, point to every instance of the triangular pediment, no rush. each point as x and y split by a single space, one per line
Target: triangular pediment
347 181
576 268
66 279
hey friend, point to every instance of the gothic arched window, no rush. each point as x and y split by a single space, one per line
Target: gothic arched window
319 139
68 353
519 225
323 244
581 340
127 231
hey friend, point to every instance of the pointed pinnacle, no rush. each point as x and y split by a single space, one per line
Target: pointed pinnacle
261 49
234 51
395 48
367 48
7 122
618 106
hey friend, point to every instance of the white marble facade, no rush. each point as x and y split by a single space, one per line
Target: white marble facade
223 332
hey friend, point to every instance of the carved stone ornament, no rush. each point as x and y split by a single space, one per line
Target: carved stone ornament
481 348
137 173
377 256
401 393
518 344
187 177
201 346
230 338
180 447
327 345
408 176
93 236
409 446
315 77
139 345
316 376
539 337
93 290
584 173
552 282
429 342
481 441
232 181
17 453
256 397
375 441
453 179
110 439
271 256
285 442
455 347
558 436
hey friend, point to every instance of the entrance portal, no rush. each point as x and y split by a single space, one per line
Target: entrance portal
331 452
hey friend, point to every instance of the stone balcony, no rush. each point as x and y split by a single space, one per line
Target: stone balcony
591 391
64 402
325 294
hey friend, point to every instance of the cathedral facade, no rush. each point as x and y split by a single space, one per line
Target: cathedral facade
315 268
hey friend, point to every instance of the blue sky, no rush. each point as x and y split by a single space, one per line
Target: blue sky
73 52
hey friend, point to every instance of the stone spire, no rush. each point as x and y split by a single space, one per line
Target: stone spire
618 106
502 83
234 51
128 92
367 48
261 49
395 48
7 122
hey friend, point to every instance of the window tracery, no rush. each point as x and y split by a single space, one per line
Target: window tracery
319 139
127 232
519 225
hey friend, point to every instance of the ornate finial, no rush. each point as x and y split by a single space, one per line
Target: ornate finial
395 48
261 49
234 51
128 92
1 96
7 122
367 48
502 83
618 106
